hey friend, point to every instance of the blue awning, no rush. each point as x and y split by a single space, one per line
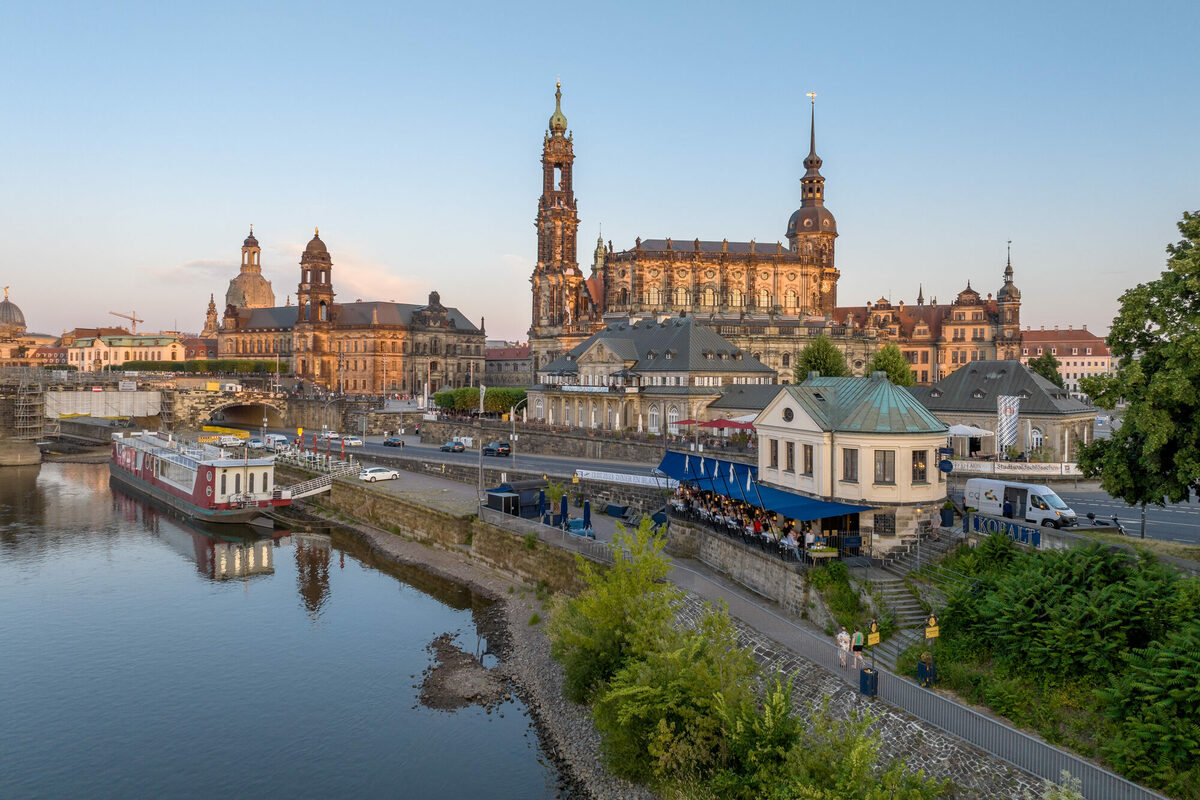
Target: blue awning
729 478
801 508
739 481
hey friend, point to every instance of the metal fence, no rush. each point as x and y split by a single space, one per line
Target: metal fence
997 738
591 549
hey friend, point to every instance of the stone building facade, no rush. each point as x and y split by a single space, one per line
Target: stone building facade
509 364
938 339
646 376
761 297
362 347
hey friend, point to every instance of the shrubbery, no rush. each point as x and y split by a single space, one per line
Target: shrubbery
222 366
1094 647
675 706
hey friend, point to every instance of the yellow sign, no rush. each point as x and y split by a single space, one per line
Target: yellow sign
299 431
931 633
575 479
872 639
933 621
874 626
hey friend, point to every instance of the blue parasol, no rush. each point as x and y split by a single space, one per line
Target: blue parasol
562 510
587 514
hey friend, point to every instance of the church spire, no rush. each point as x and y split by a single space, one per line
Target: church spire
921 294
813 183
558 122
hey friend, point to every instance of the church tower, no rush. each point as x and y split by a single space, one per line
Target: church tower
250 289
560 307
314 295
812 229
314 313
1008 304
210 320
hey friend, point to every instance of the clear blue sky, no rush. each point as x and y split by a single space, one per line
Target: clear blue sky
140 141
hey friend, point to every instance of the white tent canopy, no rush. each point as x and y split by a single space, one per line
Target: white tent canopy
968 430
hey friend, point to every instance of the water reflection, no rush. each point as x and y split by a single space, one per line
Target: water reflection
312 570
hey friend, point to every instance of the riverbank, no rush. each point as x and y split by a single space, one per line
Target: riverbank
566 730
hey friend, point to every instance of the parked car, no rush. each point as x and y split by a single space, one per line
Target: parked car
352 441
452 447
497 449
372 474
229 440
257 444
393 441
330 435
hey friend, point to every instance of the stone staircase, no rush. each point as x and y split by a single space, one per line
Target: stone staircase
899 601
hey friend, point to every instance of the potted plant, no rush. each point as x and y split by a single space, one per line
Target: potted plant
947 514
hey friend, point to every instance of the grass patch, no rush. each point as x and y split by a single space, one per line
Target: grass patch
1174 549
535 618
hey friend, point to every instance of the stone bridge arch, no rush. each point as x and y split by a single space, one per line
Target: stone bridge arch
195 408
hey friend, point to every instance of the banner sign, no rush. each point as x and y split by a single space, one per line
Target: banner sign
631 480
1008 407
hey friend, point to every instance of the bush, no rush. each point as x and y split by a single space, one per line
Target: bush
531 540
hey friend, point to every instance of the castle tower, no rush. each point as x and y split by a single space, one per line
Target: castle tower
1008 302
560 308
811 230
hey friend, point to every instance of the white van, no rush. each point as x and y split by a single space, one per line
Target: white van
229 440
1026 501
276 440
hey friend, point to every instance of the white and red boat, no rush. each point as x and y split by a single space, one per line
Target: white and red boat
200 481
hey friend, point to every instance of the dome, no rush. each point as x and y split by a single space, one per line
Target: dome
811 219
316 246
250 240
558 122
10 314
1008 292
250 290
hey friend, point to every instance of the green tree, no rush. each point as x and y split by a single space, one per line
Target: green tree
444 399
821 355
1155 338
624 612
889 359
1046 365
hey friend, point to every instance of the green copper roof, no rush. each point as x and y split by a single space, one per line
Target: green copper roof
558 122
862 405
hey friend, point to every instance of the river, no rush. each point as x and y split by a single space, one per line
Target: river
143 657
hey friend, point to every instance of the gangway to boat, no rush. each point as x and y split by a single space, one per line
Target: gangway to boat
321 483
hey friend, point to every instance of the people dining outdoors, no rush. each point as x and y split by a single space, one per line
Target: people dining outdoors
753 525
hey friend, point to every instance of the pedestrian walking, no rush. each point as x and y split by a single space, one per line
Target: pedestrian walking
857 646
843 643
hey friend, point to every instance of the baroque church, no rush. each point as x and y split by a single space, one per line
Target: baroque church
768 298
370 347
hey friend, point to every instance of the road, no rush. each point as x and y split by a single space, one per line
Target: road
1178 522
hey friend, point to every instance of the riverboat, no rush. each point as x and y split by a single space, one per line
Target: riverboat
199 480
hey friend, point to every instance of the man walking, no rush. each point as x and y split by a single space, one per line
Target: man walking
843 643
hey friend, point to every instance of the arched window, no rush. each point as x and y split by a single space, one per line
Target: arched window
764 298
237 484
654 296
595 416
1036 438
735 297
250 487
710 298
623 297
323 312
222 483
672 418
787 359
579 414
681 296
789 300
653 419
538 408
266 485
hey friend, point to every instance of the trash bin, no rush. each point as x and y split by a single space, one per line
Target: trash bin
926 674
868 682
947 517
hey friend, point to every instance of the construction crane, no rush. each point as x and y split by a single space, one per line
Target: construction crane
131 316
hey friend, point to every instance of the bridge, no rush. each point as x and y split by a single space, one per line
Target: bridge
191 408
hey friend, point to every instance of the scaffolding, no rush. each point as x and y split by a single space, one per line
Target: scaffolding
166 410
29 410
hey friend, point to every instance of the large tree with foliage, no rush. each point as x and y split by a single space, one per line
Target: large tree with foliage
1046 365
821 355
889 359
1155 338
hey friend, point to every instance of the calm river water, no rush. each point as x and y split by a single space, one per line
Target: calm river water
141 657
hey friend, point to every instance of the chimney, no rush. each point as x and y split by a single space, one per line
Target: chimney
1043 327
813 374
1070 327
1055 327
1084 326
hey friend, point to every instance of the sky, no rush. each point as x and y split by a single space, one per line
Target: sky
140 141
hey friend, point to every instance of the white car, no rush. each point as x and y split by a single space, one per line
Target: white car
330 435
352 441
372 474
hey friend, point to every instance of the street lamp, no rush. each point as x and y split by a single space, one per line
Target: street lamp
512 417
